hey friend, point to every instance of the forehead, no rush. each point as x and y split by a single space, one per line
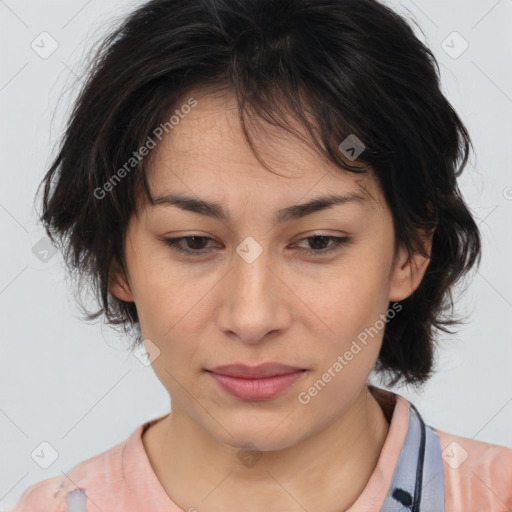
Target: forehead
206 152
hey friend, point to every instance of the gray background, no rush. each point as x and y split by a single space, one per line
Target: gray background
70 383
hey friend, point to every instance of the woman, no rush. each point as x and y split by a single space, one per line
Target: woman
266 193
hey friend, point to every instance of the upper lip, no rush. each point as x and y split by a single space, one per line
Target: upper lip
255 372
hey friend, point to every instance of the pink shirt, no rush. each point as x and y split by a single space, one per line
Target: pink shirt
471 476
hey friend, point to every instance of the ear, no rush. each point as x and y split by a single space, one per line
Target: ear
409 271
118 283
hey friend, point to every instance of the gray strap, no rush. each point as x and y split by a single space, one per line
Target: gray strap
418 483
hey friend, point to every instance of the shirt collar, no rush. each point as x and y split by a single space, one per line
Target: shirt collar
393 467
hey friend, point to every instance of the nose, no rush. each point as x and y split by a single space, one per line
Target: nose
255 300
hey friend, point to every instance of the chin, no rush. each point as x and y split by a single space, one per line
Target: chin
259 436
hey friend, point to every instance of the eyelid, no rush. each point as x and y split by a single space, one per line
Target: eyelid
338 243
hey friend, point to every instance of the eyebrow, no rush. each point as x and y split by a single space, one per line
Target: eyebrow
296 211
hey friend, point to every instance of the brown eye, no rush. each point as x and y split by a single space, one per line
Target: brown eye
195 244
319 242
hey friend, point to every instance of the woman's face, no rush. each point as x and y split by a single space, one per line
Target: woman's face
259 288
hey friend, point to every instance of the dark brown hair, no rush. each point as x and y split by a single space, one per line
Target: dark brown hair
339 67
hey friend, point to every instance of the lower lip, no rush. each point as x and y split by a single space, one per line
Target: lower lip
256 389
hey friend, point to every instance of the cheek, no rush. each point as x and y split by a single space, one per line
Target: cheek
349 297
158 289
168 312
351 302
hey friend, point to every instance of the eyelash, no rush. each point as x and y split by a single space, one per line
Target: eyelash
339 242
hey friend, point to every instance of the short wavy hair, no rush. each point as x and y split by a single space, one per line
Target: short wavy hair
340 67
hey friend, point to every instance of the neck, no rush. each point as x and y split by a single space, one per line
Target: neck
327 471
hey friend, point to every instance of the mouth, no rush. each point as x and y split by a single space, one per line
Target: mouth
262 382
260 371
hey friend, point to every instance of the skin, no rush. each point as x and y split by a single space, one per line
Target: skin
285 306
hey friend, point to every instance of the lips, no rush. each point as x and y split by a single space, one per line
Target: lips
256 383
261 371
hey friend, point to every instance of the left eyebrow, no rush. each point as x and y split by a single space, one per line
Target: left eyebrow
296 211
